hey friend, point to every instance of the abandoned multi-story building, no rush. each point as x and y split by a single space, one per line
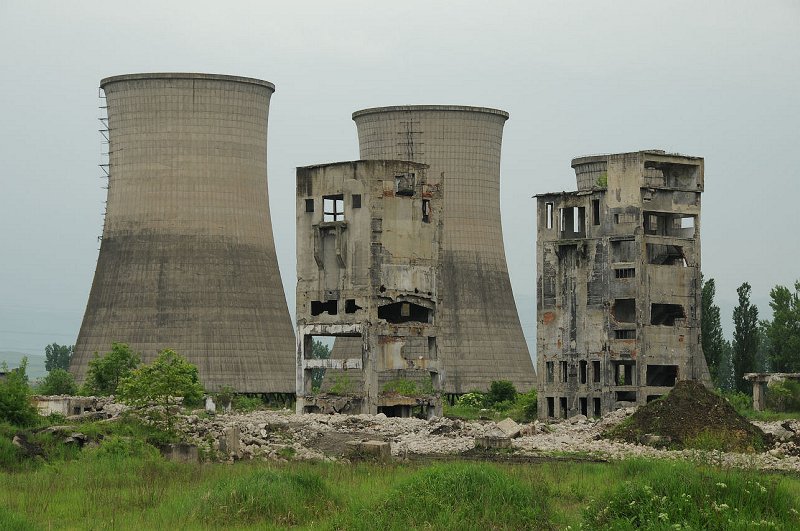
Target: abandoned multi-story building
618 287
368 240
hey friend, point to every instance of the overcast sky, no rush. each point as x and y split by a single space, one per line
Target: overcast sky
717 79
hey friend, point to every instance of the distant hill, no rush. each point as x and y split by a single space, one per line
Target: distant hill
35 363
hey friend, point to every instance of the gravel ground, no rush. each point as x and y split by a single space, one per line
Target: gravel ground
270 434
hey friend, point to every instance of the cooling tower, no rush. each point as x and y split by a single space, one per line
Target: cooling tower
187 259
480 337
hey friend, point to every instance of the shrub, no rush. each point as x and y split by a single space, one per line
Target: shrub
58 382
341 385
247 403
501 391
168 377
105 372
528 403
784 396
741 402
474 399
406 388
15 397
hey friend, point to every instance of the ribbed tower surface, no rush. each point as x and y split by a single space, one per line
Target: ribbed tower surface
187 259
480 338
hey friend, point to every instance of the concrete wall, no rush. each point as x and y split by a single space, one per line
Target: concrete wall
187 259
618 287
368 248
480 336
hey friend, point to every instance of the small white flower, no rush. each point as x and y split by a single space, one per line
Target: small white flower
663 516
722 485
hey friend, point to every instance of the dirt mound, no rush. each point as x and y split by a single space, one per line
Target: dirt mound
691 416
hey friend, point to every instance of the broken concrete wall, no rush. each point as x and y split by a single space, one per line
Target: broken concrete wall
368 246
618 288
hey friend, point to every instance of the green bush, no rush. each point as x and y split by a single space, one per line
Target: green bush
10 455
783 396
401 386
15 397
501 391
341 385
474 399
741 402
528 403
116 447
247 403
105 372
58 382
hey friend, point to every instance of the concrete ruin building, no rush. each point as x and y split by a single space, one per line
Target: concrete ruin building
187 259
618 287
479 338
368 261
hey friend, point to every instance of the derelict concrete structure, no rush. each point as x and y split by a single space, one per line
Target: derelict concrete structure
618 287
480 338
187 259
368 248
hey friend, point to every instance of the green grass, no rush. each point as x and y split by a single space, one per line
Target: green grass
125 484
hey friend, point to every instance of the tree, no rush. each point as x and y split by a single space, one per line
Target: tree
783 332
745 337
58 356
105 373
319 351
58 382
168 377
501 391
15 397
713 342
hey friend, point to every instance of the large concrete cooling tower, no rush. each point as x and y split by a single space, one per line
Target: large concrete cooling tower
480 337
187 259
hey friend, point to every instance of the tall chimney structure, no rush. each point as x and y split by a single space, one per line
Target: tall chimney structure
187 259
480 338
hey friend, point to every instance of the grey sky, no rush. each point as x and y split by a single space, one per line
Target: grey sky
716 79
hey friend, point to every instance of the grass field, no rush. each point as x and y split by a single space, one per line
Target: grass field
125 484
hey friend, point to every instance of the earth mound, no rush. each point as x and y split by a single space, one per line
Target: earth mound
691 416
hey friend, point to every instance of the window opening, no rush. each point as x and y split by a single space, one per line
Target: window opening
403 312
549 369
350 306
333 208
628 272
623 372
662 375
596 406
658 254
426 210
626 396
624 334
404 184
583 401
563 375
319 307
563 404
595 212
549 215
666 314
583 365
309 205
624 310
551 406
356 200
596 371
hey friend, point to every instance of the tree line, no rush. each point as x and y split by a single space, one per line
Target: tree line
758 345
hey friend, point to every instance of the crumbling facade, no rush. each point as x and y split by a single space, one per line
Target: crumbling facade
618 287
480 336
368 246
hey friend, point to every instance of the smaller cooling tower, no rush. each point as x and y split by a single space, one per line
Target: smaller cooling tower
187 259
480 337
